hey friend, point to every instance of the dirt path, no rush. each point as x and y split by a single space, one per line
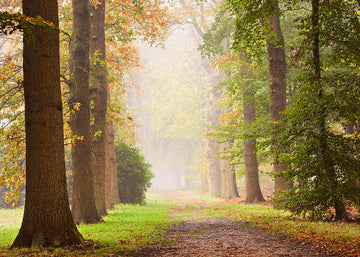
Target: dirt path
201 236
221 237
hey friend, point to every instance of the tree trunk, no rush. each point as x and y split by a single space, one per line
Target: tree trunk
113 196
47 219
253 191
228 180
83 201
329 164
98 93
212 145
277 86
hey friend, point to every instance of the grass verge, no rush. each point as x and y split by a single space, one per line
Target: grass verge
126 228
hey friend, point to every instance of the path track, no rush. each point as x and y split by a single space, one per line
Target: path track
221 237
207 237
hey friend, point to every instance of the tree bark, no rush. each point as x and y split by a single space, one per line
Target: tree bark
228 180
83 201
112 197
253 191
277 86
212 145
47 219
98 93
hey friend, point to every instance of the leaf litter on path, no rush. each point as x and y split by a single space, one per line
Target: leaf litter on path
222 237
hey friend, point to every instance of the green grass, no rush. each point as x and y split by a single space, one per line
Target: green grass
131 227
126 228
10 221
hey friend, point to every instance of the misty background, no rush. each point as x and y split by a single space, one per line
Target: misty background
168 105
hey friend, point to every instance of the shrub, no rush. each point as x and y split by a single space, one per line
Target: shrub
133 172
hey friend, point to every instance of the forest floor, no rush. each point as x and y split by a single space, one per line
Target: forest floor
190 224
197 234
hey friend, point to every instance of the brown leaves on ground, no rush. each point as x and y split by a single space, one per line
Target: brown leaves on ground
221 237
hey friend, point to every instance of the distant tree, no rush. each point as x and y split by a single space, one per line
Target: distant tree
201 15
241 94
134 173
47 218
111 191
212 146
83 201
228 179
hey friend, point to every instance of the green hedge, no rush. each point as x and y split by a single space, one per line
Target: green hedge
133 172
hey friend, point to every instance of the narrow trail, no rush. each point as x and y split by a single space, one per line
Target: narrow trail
202 236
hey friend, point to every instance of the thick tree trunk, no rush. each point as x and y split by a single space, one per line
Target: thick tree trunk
112 197
47 218
228 180
98 93
212 145
83 201
277 71
253 191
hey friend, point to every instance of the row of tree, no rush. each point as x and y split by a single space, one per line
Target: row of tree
300 106
85 71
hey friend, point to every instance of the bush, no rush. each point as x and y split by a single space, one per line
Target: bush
133 172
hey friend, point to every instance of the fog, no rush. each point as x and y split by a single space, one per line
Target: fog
169 107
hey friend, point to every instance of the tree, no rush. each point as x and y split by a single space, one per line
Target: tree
240 82
98 92
47 218
112 192
323 160
122 57
201 16
246 120
83 201
228 178
277 85
250 35
253 191
211 144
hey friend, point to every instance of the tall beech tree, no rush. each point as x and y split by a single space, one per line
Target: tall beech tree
212 146
47 218
228 179
242 124
258 22
253 191
83 201
277 85
126 20
98 93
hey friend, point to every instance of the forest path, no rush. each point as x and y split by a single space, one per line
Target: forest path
198 235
